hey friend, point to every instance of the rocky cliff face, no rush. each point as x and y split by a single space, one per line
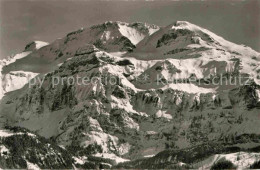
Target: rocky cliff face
146 90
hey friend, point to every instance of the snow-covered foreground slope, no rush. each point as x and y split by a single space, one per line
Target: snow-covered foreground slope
242 160
22 149
154 89
206 156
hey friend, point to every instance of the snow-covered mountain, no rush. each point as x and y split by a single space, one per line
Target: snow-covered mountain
13 80
136 115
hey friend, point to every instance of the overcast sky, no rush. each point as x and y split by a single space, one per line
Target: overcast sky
24 21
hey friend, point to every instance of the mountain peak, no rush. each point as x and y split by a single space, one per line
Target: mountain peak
178 23
35 45
182 38
135 32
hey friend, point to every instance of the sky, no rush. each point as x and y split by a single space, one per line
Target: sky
23 21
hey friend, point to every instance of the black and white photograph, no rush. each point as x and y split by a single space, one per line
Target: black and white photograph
129 84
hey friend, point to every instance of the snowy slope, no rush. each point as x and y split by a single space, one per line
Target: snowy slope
242 160
219 41
133 34
35 45
13 80
177 34
12 59
195 51
5 62
16 80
